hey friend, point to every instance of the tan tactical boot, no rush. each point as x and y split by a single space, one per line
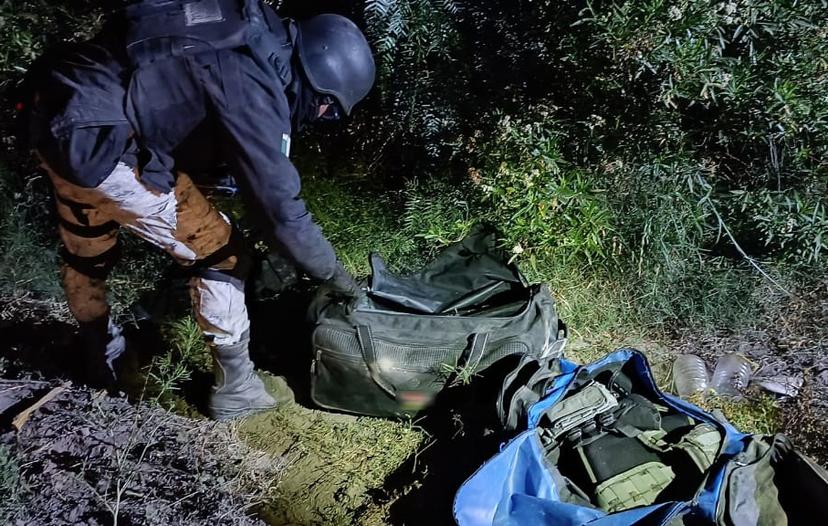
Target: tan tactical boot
238 391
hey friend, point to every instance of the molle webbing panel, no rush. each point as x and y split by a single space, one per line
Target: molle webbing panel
161 30
701 444
578 409
639 486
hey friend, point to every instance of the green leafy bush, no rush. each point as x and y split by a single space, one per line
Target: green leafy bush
793 222
669 148
547 206
410 121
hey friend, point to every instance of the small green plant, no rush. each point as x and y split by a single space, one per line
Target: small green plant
187 341
756 413
10 488
188 352
459 374
436 212
166 374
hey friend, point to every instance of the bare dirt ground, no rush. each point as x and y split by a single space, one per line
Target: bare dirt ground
89 458
788 343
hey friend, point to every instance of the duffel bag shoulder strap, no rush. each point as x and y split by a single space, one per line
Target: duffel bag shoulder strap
369 355
469 360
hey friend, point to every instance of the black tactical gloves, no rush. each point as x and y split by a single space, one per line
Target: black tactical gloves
342 284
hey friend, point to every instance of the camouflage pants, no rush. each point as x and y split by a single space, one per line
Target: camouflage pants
182 223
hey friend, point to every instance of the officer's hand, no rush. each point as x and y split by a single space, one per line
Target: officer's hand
342 284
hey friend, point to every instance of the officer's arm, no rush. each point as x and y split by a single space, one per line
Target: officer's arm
256 131
91 153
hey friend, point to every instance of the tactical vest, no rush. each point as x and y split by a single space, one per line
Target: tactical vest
160 29
619 448
624 450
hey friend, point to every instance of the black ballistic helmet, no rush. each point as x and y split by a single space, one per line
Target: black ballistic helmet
336 58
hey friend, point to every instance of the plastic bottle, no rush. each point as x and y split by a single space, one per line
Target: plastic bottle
689 375
732 374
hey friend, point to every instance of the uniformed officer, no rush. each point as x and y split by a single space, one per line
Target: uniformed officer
108 120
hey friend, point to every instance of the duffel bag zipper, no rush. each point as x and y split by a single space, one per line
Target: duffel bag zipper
534 293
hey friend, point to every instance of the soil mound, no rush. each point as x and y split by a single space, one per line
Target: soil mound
87 458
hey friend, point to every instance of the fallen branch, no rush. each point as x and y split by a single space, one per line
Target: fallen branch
21 419
22 383
732 238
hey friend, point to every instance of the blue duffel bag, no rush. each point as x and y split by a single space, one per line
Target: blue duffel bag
605 447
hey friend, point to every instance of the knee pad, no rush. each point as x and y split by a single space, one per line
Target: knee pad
95 267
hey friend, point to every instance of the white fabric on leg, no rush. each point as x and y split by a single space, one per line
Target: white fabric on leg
150 215
220 310
218 306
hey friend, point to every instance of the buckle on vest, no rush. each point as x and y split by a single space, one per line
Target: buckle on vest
580 409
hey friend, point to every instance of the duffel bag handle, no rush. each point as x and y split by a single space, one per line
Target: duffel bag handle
470 358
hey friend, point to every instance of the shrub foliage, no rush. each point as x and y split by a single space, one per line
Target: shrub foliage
650 154
673 147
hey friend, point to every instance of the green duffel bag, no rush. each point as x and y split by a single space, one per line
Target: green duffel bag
393 350
770 483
